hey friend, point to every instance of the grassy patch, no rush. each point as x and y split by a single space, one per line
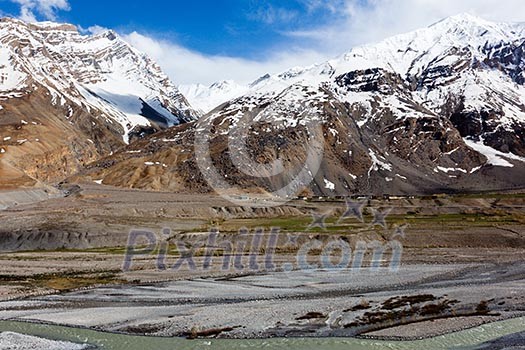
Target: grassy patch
63 281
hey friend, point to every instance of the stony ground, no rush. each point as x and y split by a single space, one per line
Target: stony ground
461 266
300 303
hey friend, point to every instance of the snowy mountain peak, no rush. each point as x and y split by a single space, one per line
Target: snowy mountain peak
100 72
409 53
446 42
206 98
464 17
38 26
464 68
223 85
465 26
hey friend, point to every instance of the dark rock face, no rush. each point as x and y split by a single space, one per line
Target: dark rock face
370 80
140 132
507 57
485 126
508 141
471 124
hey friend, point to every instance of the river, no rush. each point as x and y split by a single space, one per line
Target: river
466 339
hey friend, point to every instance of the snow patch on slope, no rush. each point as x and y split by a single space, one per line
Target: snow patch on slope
10 78
494 157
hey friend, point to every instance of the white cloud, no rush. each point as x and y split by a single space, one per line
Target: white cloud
27 15
270 14
185 66
332 5
96 29
45 8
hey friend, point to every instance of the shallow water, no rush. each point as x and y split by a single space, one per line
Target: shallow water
464 339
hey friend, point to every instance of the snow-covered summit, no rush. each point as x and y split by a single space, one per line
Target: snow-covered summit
411 52
443 43
90 71
206 98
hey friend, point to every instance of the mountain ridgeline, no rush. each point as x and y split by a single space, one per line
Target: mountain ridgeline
441 109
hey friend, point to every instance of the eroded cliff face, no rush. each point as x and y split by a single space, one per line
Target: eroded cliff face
40 143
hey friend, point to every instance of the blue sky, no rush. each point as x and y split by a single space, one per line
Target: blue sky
202 41
240 28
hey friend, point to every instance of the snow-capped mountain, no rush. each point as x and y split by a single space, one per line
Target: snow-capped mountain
100 71
466 68
437 109
416 55
81 96
206 98
424 56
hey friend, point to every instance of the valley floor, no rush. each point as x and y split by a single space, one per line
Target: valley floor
462 265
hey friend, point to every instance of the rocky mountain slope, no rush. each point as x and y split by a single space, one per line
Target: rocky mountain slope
66 99
438 109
